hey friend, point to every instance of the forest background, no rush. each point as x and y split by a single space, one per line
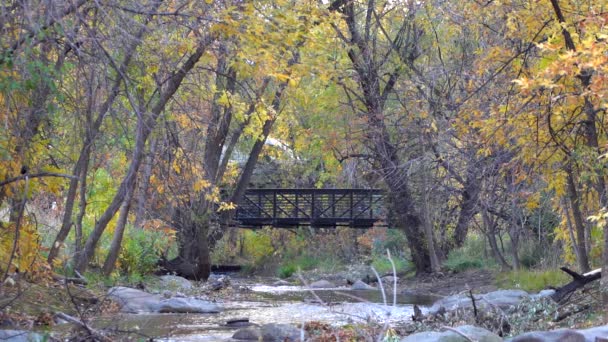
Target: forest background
131 128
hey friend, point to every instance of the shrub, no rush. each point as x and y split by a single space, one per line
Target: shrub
286 271
383 265
141 250
531 281
378 239
531 253
302 262
470 255
257 246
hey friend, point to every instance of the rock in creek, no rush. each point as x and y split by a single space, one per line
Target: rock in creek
565 335
322 284
360 285
503 299
269 333
21 336
137 301
186 305
475 333
175 283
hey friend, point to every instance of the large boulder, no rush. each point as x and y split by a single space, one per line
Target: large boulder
502 299
360 285
475 333
186 305
248 334
175 283
564 335
134 300
21 336
137 301
269 333
592 333
322 284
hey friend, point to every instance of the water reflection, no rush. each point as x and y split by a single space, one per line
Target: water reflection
270 304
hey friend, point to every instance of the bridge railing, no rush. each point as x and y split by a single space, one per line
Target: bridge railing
314 207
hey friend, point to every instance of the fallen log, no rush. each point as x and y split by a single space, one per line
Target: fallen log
578 281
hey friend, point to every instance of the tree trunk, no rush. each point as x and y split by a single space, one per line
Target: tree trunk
468 205
143 186
119 231
583 260
193 261
428 223
490 228
566 211
82 207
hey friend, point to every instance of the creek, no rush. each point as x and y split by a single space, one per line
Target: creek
262 304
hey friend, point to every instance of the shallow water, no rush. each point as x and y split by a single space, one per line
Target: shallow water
270 304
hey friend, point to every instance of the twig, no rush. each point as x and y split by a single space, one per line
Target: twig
74 280
17 227
36 175
83 325
311 290
570 313
388 253
474 304
380 285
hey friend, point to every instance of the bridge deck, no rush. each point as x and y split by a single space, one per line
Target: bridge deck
284 208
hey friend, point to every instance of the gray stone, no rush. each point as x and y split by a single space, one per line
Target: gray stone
560 335
172 282
137 301
389 280
322 284
453 302
543 294
591 333
280 332
503 299
475 333
281 283
248 334
360 285
133 300
21 336
269 333
186 305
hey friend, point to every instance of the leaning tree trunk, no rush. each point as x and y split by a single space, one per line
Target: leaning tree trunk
490 231
582 258
121 225
93 129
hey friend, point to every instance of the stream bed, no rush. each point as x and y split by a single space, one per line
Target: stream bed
270 304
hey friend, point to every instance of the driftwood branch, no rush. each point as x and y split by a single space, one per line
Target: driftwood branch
36 175
98 335
578 281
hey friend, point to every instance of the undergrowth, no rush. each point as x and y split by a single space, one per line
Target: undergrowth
531 280
471 255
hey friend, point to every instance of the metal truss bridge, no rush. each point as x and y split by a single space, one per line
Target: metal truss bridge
323 208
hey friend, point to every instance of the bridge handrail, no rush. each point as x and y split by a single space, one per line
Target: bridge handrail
313 190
